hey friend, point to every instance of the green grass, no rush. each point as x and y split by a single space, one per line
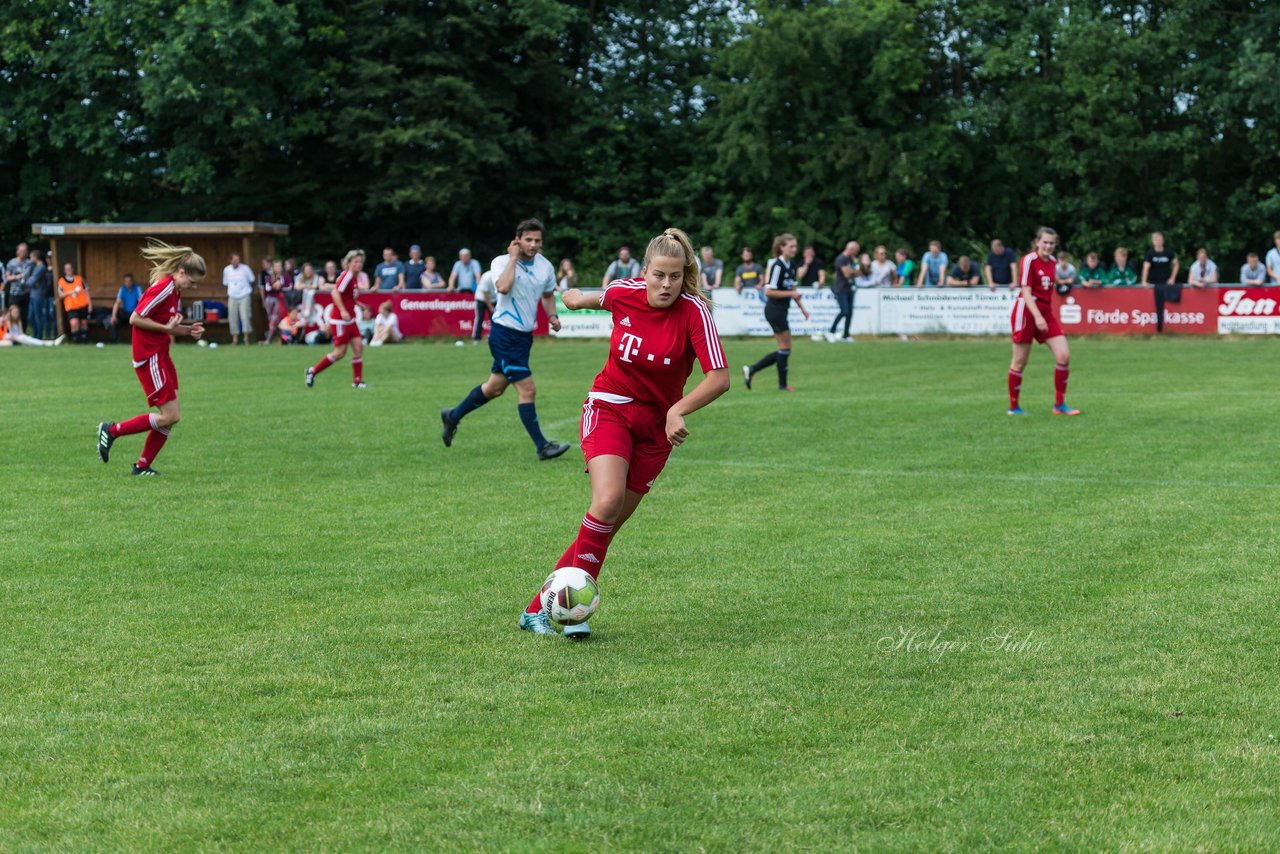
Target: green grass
303 636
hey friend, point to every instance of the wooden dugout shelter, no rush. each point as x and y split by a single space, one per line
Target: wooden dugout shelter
103 252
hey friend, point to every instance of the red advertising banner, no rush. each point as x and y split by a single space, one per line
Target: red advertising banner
1132 311
423 314
1248 311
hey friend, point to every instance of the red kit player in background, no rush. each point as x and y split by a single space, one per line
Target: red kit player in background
155 321
1033 320
635 412
345 309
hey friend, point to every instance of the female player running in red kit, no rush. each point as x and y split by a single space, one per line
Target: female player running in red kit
155 321
635 412
1033 320
345 311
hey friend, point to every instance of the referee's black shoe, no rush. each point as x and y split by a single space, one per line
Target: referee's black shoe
450 427
551 450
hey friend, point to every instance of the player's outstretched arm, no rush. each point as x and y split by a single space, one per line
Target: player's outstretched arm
577 300
714 383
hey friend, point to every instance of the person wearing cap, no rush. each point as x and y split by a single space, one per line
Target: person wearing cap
466 272
414 268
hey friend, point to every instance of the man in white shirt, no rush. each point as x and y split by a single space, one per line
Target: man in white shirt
1203 272
238 279
1253 273
1273 262
522 278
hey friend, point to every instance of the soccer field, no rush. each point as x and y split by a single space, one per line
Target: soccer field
874 614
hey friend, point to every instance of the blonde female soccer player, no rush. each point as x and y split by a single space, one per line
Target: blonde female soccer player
156 320
779 290
634 414
344 322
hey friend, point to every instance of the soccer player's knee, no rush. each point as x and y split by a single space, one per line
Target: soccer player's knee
608 506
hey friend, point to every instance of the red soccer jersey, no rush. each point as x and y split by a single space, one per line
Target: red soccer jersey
159 303
346 285
1038 275
651 351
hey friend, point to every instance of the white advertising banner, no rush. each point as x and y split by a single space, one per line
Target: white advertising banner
583 324
743 313
930 311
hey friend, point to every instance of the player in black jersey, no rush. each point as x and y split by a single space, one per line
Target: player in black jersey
779 290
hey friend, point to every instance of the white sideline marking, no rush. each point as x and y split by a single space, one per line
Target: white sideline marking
964 475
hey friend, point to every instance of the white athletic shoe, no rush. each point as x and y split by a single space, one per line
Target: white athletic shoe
817 336
830 336
57 342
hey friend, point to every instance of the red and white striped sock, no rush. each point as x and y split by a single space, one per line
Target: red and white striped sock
151 447
322 364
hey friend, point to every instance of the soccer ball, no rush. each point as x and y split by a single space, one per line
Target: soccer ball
570 596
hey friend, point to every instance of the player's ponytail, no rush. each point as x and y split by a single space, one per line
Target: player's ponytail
674 243
167 260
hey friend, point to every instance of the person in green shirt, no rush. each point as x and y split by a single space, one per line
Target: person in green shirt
1121 275
906 268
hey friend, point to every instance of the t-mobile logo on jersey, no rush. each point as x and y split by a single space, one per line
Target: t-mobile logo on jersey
630 345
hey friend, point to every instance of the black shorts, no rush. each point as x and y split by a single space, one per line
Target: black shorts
775 311
78 313
510 349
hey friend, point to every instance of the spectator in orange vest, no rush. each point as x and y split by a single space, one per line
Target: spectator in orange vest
75 303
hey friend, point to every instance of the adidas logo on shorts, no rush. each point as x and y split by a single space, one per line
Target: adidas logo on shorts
626 321
589 557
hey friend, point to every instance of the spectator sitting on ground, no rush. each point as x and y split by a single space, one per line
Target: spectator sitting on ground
1122 275
625 267
1065 275
711 270
1253 273
364 323
999 266
566 277
431 278
1273 261
811 273
319 318
127 299
1092 274
466 272
933 267
291 326
414 268
904 273
390 272
1203 272
75 303
11 331
386 326
963 274
749 274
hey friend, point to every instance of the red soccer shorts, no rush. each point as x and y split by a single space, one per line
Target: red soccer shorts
637 432
344 332
1024 325
159 379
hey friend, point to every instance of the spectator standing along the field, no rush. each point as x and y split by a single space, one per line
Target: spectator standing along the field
963 274
812 272
625 267
845 265
882 269
17 280
1160 273
999 266
75 303
414 268
277 283
466 272
390 272
1092 274
933 266
431 278
127 299
237 278
1253 273
711 269
749 274
906 268
566 276
1065 275
1273 261
43 320
1121 274
1203 272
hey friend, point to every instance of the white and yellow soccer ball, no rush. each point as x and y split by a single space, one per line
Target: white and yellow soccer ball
570 596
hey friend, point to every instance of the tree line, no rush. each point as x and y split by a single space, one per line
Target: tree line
372 122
